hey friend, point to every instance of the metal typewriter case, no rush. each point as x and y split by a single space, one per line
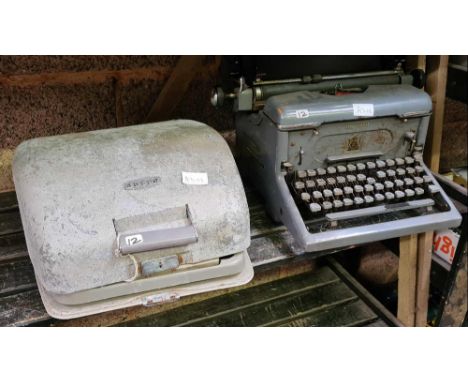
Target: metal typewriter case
134 215
310 130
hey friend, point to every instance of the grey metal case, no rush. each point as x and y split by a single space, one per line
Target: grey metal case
133 215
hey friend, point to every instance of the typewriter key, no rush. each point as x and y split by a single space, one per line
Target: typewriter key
380 163
409 193
315 207
311 173
327 206
341 169
358 201
310 184
337 204
348 202
399 194
331 170
409 160
305 196
370 165
410 170
378 186
299 185
321 171
398 183
370 180
351 167
400 171
368 199
389 196
399 161
337 192
301 174
351 178
379 197
360 166
419 191
418 180
408 182
390 162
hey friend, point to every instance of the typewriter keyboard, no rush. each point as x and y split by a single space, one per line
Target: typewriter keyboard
360 190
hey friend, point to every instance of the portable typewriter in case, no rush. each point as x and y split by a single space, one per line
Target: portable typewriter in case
339 158
132 216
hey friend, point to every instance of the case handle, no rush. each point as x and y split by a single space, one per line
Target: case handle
154 234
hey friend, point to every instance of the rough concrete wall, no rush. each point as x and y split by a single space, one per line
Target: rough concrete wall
49 95
454 136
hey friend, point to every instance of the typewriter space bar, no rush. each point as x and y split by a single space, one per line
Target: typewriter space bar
378 210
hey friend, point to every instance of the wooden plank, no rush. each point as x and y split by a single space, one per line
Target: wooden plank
261 301
22 309
423 277
8 201
415 62
352 313
436 84
363 293
10 222
85 77
16 276
12 247
175 87
407 279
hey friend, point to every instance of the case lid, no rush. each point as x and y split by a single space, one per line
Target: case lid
297 109
91 201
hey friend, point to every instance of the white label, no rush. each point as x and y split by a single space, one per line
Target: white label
195 178
160 298
363 109
133 240
445 244
303 113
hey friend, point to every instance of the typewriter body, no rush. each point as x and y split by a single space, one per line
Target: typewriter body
132 216
339 159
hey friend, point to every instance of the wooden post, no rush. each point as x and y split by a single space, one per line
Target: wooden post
407 279
423 276
436 84
174 89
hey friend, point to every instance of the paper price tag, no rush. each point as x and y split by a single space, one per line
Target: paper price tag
363 109
195 178
445 244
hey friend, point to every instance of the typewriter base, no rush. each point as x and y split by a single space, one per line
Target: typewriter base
63 311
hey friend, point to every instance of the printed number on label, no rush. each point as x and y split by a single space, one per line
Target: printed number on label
133 240
445 244
304 113
363 109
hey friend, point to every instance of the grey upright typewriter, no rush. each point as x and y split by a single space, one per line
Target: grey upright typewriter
339 159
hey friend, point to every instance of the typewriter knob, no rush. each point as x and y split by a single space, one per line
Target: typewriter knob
217 97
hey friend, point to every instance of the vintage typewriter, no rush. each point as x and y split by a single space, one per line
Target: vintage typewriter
339 158
129 216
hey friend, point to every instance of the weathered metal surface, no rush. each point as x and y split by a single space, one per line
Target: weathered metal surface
68 208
